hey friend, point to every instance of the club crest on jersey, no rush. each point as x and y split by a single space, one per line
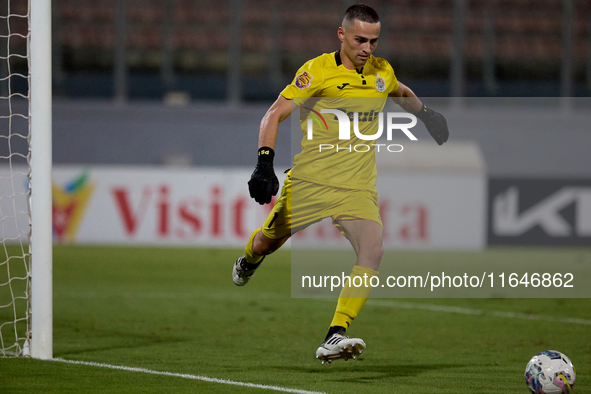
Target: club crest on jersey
380 83
303 80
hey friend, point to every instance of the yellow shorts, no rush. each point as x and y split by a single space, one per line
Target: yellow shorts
312 202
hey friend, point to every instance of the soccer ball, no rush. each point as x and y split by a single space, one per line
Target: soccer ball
550 372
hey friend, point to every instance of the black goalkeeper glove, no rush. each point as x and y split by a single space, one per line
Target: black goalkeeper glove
435 123
263 183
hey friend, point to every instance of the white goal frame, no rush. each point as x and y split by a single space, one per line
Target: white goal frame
41 244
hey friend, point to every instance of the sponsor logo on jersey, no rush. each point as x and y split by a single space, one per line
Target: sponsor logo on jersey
361 116
303 80
380 83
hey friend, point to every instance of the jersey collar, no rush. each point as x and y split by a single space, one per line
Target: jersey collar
337 59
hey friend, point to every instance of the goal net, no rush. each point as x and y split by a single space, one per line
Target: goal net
25 179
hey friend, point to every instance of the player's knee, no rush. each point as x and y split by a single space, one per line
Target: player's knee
373 252
379 252
262 249
260 246
264 246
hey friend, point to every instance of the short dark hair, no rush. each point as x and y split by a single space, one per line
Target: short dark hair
362 12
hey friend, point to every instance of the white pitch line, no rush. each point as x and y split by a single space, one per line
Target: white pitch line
187 376
469 311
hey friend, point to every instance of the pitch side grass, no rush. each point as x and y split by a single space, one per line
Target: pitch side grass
177 311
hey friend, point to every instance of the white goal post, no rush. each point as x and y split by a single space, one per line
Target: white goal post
41 243
26 311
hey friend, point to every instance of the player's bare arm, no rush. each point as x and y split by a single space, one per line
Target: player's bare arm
406 99
435 123
277 113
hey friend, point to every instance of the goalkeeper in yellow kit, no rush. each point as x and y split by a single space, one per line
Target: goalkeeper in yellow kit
332 184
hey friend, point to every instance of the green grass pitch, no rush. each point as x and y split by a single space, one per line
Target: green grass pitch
177 311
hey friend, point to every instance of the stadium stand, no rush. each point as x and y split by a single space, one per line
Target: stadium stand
417 35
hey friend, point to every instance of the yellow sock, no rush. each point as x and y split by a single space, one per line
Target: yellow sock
352 298
249 254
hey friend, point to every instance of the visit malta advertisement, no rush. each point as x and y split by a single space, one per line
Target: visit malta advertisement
211 207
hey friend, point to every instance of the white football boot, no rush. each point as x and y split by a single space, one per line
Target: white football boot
241 275
340 346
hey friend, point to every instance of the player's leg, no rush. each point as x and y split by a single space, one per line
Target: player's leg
260 245
264 241
366 238
257 248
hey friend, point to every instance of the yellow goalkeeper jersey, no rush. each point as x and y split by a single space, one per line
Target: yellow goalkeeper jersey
331 156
